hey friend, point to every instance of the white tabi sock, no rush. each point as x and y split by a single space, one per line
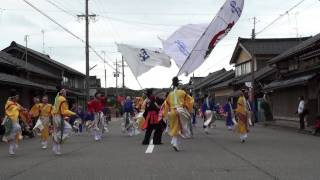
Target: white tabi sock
44 144
11 148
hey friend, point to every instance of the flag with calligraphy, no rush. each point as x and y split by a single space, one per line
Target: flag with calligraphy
141 60
195 44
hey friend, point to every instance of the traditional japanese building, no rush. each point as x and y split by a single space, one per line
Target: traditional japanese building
33 73
297 75
252 55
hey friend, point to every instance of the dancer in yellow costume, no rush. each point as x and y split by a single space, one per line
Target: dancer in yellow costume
61 112
45 117
140 106
35 110
177 107
242 117
11 122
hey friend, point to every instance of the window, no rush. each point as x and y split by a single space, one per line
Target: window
293 65
238 70
70 82
65 80
243 69
248 68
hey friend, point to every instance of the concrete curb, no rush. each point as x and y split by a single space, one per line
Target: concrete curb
275 125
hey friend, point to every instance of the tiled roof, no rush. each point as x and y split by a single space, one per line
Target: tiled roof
263 72
224 77
11 79
223 84
43 57
10 60
305 44
278 84
4 60
272 46
207 80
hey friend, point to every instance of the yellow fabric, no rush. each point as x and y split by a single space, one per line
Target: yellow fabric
174 123
12 110
241 105
166 107
242 125
46 110
25 116
35 110
140 121
139 102
61 107
242 113
141 106
45 132
46 113
242 128
182 100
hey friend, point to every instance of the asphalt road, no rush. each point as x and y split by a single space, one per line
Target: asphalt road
268 154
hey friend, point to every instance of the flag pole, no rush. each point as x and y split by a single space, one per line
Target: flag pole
134 75
196 45
138 82
206 30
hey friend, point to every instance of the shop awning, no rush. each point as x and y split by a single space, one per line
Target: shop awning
297 81
18 81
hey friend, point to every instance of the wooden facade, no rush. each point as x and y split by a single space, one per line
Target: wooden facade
297 75
33 73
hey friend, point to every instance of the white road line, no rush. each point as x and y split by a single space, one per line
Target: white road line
150 147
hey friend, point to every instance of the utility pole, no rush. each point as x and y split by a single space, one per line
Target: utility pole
26 49
193 93
105 72
26 54
87 51
253 33
117 75
296 20
123 86
43 50
253 59
86 16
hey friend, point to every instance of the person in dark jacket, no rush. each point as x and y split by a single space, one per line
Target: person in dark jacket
152 121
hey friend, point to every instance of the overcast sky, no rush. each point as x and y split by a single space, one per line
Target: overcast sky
140 22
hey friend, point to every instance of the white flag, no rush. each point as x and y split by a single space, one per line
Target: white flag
219 27
141 60
179 45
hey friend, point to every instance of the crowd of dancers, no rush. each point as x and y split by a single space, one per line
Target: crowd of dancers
175 114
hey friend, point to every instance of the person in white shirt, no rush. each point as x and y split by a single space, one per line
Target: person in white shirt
301 112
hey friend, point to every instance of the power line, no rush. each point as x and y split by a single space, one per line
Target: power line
61 9
68 31
309 7
280 16
28 10
157 13
125 13
79 47
138 22
218 62
146 24
104 26
68 4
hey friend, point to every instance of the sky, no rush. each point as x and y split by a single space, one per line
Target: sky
140 23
